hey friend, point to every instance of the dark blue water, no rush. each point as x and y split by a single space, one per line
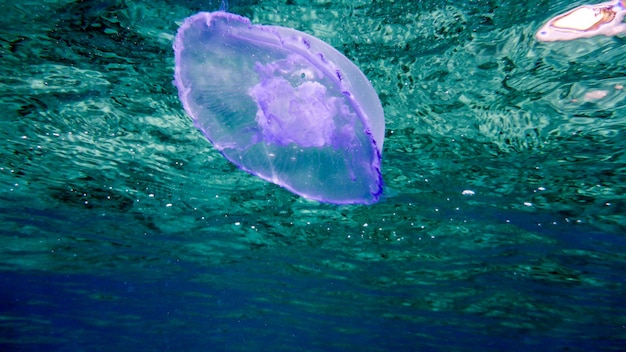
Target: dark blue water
501 227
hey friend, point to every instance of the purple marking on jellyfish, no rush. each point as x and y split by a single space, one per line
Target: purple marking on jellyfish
282 105
339 76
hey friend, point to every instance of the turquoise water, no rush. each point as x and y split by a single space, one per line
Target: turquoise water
501 227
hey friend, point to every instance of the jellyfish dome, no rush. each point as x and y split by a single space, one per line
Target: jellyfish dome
282 105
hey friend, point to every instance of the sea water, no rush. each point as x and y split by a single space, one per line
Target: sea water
501 226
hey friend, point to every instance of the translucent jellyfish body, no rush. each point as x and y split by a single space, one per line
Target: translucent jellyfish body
282 105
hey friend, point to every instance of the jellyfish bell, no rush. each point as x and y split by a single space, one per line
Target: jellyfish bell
282 105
